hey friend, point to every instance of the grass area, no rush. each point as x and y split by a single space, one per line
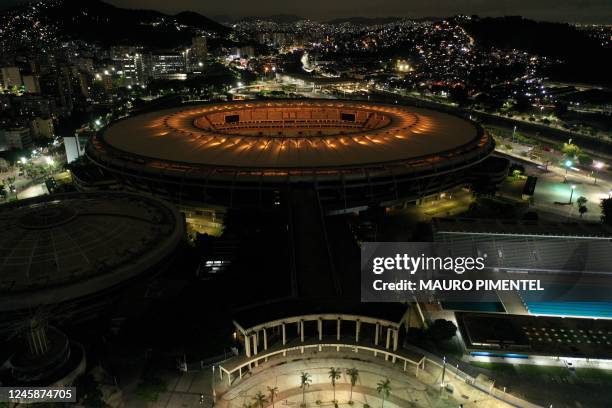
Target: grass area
528 370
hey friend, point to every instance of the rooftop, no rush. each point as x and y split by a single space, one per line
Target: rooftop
292 134
54 249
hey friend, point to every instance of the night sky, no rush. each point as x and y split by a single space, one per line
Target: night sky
588 11
597 11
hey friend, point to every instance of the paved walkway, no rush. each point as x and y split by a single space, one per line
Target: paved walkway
407 390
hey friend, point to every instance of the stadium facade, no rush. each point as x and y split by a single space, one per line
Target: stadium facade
245 154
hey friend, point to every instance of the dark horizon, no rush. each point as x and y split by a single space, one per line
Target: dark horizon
569 11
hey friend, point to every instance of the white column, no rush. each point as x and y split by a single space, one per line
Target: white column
265 341
338 329
388 344
394 342
357 329
320 327
395 339
255 348
302 331
302 335
376 334
247 345
284 338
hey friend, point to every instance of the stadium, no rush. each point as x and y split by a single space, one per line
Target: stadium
65 260
247 154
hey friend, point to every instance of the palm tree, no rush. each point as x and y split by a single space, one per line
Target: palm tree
305 381
260 399
384 388
272 393
353 374
334 374
581 201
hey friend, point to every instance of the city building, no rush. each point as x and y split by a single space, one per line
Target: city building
199 49
42 128
10 77
17 138
167 65
129 63
31 84
245 51
75 146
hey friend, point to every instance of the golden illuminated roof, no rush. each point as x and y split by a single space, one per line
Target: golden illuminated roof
290 134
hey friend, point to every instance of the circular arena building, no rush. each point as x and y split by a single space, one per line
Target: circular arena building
65 258
353 154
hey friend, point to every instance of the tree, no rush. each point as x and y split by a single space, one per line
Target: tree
582 200
334 374
570 150
353 375
384 389
442 330
260 399
582 209
305 382
585 159
606 211
272 392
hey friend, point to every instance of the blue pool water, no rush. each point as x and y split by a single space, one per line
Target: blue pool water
579 309
490 307
593 301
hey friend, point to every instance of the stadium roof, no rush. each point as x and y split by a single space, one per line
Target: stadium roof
292 134
53 249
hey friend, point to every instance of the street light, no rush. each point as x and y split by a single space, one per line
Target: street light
572 192
568 164
598 166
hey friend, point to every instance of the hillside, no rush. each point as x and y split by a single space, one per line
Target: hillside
581 56
46 22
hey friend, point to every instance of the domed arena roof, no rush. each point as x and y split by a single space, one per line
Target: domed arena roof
57 248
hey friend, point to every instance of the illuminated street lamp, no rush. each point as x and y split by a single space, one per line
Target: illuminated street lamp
568 164
572 193
598 166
